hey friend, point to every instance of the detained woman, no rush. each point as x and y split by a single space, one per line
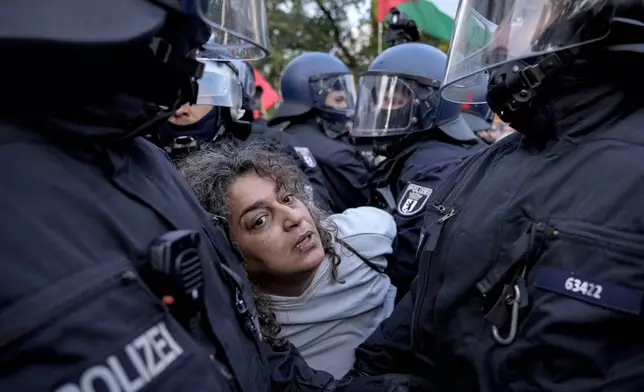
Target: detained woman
319 279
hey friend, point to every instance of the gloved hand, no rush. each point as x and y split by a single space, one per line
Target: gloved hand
353 382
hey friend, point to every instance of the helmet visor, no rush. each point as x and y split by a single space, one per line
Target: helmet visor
488 33
237 25
336 92
219 86
246 77
385 106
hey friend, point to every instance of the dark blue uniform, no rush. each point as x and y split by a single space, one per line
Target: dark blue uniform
83 215
412 176
553 227
422 136
346 172
93 214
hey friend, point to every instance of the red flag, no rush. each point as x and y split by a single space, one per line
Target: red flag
269 96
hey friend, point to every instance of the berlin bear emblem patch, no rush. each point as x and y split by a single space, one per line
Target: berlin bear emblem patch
413 199
306 156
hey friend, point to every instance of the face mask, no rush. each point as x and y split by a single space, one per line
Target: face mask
177 139
202 129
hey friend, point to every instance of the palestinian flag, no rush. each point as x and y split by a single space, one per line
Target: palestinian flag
435 17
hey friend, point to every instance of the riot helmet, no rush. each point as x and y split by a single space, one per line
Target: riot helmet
159 38
218 108
318 84
512 46
246 75
399 95
238 27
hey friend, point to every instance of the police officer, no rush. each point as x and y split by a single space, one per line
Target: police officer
217 112
319 98
113 277
531 272
281 141
422 136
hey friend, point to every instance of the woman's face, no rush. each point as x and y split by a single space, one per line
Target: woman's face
274 231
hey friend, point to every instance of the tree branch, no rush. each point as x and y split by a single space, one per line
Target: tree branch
351 60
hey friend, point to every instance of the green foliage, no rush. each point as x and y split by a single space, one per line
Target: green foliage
295 26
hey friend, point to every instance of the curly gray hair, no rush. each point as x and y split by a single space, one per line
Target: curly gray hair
212 171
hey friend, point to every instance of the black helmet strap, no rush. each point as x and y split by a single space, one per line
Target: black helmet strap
189 68
513 85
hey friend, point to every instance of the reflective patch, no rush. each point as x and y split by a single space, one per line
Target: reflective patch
133 367
413 199
306 156
605 294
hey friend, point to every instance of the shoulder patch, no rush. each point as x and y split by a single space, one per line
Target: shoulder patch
306 156
413 199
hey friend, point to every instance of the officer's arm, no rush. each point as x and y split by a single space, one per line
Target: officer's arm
349 174
389 349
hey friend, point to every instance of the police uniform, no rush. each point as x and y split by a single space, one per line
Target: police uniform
530 256
113 276
412 176
422 137
566 241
